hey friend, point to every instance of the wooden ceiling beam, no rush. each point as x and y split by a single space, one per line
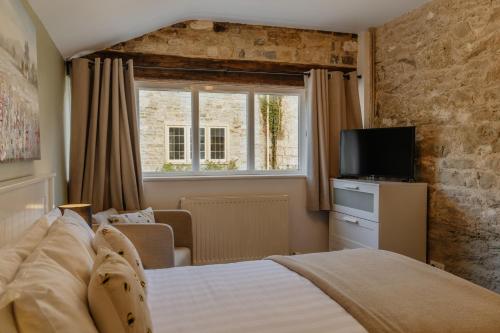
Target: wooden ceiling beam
162 67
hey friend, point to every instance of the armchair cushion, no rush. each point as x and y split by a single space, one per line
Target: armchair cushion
182 256
142 216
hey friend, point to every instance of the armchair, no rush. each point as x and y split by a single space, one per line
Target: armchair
166 243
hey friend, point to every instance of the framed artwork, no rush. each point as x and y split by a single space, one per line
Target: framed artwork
19 114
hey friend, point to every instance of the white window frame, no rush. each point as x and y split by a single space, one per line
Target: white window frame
250 91
208 144
187 151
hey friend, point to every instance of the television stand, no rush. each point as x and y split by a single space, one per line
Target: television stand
379 214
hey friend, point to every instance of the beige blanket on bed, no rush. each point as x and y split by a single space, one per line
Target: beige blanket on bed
387 292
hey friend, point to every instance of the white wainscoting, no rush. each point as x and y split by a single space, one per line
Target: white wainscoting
22 202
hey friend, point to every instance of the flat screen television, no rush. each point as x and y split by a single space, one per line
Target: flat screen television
378 153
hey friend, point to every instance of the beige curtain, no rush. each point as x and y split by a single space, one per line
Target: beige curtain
333 105
105 168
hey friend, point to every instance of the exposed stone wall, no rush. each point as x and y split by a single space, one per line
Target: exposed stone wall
220 40
438 68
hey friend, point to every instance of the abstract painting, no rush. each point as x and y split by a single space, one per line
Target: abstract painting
19 115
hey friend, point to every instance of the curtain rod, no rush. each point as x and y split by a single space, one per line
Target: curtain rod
183 69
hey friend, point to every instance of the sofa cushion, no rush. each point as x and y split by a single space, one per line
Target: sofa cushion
143 216
116 298
111 238
47 298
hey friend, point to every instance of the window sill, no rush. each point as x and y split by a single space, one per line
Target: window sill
162 178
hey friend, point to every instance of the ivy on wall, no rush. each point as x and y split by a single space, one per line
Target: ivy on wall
271 113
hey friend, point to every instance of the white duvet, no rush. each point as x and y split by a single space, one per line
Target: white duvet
254 296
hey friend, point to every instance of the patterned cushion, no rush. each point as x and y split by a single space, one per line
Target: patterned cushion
102 217
116 298
143 216
111 238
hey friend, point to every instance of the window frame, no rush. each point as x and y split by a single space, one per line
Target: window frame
208 143
250 90
167 145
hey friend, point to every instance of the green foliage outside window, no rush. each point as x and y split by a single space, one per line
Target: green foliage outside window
207 165
271 112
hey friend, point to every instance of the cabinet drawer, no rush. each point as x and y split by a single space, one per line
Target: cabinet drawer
355 198
354 229
339 243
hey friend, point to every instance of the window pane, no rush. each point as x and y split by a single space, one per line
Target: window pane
202 143
164 119
276 132
217 143
176 143
224 115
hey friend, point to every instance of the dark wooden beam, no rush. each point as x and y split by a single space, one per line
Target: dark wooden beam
161 67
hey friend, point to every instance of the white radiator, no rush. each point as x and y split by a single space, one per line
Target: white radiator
235 228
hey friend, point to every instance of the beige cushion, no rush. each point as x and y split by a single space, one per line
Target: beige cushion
102 217
143 216
11 257
81 228
116 298
111 238
47 298
14 253
182 256
68 245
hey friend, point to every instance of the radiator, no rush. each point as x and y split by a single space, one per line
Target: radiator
236 228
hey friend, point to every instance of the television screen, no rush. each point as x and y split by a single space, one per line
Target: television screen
378 152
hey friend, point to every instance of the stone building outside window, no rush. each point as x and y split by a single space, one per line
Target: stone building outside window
226 144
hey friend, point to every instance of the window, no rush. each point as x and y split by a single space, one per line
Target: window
176 144
218 143
240 129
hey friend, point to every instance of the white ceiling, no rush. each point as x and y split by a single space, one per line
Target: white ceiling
88 25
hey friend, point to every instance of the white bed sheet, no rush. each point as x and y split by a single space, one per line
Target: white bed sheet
254 296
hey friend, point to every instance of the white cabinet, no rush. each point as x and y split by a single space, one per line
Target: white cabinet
381 215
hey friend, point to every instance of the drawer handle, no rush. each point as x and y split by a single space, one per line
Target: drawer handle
350 220
351 187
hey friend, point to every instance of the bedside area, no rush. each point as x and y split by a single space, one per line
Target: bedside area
380 215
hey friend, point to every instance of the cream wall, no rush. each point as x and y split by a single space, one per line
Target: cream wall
51 95
308 231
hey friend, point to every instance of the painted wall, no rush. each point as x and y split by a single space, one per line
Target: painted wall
51 96
308 231
438 68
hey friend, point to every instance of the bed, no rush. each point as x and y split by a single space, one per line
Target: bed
347 291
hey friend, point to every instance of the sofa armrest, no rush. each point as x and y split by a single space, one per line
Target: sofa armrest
154 242
180 221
